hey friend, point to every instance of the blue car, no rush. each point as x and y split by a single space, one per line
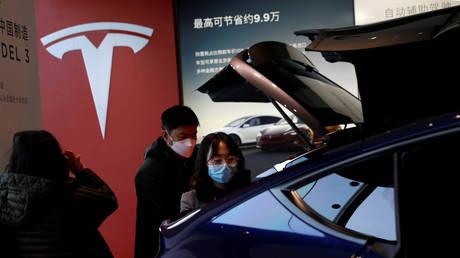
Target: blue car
383 188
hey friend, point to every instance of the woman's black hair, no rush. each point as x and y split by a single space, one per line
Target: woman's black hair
37 153
201 180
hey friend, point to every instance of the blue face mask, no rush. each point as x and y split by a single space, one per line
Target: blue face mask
221 174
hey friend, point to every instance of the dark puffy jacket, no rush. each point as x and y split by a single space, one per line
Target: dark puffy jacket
44 218
160 182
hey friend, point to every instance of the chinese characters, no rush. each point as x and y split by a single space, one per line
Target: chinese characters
212 61
217 59
236 20
402 11
13 29
11 99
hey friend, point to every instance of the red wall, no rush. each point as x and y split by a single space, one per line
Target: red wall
142 86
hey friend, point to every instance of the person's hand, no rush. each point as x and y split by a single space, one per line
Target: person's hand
74 161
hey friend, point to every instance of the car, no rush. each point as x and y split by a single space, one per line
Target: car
282 136
383 188
245 129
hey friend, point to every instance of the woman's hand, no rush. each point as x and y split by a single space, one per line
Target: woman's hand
74 161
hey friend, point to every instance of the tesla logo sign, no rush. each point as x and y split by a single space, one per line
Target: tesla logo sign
98 60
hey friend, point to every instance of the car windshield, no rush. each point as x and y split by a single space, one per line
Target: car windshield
236 122
294 119
281 122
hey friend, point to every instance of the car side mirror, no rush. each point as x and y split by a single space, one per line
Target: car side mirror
246 125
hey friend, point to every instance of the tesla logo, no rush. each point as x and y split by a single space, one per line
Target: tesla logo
98 60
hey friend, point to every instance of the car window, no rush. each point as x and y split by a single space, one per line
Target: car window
269 120
297 161
281 122
367 208
329 195
254 121
378 208
294 119
236 122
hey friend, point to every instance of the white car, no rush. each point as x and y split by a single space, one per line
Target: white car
245 129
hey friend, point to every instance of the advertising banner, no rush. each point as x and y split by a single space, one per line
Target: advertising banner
369 11
20 107
210 33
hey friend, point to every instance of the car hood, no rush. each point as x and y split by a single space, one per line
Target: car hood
402 68
274 70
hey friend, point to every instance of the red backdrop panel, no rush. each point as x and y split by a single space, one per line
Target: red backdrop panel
142 85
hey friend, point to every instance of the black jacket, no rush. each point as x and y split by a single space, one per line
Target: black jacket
160 182
44 218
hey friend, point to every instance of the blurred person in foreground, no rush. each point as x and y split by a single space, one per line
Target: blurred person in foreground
43 211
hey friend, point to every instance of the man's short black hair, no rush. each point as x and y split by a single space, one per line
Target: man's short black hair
177 116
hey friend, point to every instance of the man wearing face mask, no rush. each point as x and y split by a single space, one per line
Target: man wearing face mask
164 176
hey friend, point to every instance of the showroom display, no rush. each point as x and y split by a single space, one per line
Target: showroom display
382 188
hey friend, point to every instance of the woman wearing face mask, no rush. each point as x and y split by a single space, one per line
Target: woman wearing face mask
219 170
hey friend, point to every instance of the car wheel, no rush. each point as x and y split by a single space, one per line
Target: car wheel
236 139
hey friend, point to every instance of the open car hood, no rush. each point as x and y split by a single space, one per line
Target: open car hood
404 71
274 70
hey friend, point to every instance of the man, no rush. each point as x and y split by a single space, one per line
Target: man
164 176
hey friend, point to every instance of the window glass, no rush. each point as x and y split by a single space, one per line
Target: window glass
353 204
379 209
275 216
236 122
269 119
330 194
281 122
254 121
297 161
293 118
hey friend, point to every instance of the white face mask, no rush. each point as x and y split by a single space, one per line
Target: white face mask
184 147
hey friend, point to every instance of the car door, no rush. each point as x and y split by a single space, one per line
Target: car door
347 202
396 198
250 128
331 212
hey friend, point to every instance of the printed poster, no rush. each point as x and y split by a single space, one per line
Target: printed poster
20 107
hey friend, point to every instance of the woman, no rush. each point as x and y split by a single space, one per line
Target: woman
43 211
219 170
